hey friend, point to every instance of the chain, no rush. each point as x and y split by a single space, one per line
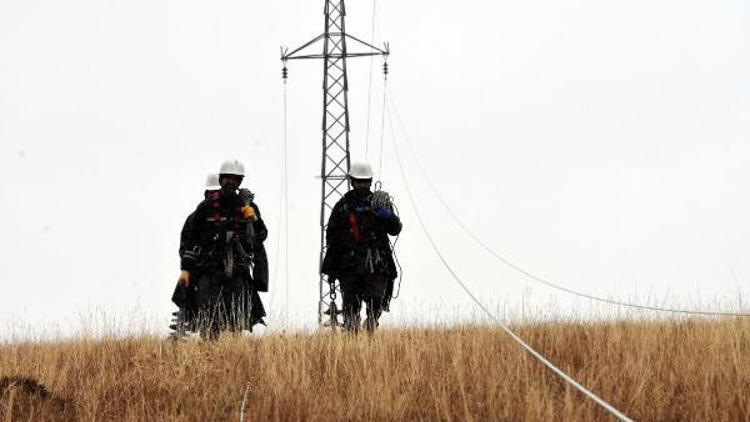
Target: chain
332 292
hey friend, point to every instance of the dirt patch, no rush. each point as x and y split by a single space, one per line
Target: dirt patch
28 399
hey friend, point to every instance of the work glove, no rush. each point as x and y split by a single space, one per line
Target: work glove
246 196
249 213
383 213
184 278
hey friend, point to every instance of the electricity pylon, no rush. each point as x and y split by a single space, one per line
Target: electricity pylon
335 163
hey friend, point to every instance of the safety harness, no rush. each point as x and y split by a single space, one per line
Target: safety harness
232 244
374 256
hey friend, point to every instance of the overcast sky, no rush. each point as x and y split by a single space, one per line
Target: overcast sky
602 145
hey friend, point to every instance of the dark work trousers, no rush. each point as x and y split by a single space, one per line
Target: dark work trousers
257 310
361 287
223 303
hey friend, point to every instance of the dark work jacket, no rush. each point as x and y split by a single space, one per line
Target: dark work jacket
185 232
346 254
203 238
184 297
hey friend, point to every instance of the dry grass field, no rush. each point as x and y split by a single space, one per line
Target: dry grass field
657 371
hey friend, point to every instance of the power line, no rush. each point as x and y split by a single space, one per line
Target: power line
528 274
567 378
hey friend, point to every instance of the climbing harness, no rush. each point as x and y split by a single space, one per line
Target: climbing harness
234 246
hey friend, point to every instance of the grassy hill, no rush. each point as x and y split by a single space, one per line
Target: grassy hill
679 370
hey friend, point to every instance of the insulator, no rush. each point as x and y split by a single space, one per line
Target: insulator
284 73
385 68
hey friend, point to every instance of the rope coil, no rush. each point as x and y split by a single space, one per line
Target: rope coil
381 199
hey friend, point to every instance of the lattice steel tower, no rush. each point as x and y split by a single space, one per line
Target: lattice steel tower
335 163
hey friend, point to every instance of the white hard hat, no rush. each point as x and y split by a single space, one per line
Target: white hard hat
232 167
212 181
360 170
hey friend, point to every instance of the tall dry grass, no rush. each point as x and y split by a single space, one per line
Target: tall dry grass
686 370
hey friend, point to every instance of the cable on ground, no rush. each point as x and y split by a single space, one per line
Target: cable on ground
567 378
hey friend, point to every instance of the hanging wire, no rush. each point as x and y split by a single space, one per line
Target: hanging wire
396 293
382 119
526 273
369 85
286 203
283 208
567 378
277 252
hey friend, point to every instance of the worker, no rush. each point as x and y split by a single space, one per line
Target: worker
184 295
219 253
359 253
